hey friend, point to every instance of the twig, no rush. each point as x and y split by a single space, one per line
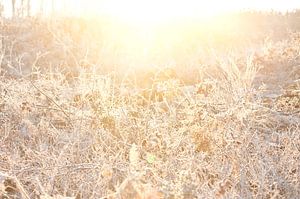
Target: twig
58 106
18 185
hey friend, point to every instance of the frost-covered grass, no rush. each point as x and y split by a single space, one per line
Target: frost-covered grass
231 133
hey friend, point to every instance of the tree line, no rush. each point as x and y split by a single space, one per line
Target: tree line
23 8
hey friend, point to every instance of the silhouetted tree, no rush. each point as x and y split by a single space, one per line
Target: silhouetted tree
22 9
13 4
28 7
1 9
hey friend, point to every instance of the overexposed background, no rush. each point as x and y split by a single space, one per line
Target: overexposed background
104 7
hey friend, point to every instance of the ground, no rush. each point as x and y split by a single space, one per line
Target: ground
230 132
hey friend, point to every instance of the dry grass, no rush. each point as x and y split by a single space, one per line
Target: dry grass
234 134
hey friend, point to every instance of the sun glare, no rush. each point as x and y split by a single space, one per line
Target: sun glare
156 11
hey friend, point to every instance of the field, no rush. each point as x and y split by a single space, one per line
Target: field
87 112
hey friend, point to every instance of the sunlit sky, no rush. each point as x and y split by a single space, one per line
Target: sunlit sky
155 10
145 35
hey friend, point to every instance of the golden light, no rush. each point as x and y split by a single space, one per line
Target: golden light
157 11
143 12
157 32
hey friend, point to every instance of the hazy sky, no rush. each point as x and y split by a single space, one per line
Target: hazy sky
101 6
